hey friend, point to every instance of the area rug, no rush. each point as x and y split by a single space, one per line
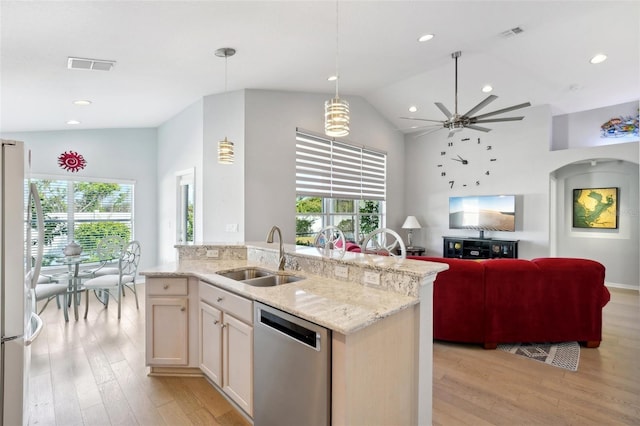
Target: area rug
563 355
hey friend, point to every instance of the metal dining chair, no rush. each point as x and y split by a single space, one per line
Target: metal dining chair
108 251
384 241
330 242
48 289
115 284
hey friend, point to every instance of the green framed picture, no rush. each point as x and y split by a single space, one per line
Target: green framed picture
595 208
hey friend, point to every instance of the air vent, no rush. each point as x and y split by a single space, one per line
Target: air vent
89 64
512 32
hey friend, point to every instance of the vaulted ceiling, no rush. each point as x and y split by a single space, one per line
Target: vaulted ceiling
164 53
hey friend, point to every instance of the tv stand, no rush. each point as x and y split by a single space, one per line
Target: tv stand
479 248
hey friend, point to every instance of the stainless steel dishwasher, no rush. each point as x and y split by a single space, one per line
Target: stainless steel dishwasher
292 370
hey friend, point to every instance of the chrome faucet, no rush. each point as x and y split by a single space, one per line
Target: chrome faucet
270 240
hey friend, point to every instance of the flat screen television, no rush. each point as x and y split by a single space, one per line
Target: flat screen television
483 213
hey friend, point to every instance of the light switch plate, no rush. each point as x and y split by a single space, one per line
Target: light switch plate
372 278
213 253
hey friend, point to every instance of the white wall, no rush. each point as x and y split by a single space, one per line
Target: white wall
223 184
521 151
617 249
527 167
271 120
179 148
110 154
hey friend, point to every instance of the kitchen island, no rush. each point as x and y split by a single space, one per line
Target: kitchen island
378 308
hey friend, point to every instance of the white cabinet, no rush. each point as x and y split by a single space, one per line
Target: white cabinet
167 322
211 342
238 362
226 343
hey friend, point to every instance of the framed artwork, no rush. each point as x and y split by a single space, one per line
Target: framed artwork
595 208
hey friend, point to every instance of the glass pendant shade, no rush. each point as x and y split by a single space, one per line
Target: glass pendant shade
336 117
225 151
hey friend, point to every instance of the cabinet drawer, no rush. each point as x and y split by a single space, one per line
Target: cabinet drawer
236 305
166 287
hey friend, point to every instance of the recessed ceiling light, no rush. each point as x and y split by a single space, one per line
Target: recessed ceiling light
332 78
600 57
73 122
82 102
487 88
413 108
425 37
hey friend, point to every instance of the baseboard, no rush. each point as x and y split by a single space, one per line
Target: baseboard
622 286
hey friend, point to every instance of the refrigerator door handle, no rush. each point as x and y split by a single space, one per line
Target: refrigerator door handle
33 193
35 333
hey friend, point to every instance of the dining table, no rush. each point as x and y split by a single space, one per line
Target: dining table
72 276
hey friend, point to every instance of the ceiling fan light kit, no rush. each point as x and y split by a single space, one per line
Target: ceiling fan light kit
456 122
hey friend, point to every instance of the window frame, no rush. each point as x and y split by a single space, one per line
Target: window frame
71 214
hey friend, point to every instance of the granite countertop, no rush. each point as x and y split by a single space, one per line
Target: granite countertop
341 306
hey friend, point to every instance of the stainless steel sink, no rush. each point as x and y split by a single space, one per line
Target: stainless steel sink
241 274
259 277
273 280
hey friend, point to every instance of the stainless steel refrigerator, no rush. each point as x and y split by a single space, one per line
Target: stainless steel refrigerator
19 269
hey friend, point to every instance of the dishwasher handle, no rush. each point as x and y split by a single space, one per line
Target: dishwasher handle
290 329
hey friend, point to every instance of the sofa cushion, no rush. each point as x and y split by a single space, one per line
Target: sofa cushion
576 294
515 301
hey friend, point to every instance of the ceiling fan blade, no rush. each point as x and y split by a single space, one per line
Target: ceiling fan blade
427 132
482 129
444 110
481 105
500 111
421 119
496 120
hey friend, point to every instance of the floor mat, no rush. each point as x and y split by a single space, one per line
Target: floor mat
563 355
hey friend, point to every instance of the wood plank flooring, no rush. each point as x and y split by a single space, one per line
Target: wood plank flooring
473 386
91 372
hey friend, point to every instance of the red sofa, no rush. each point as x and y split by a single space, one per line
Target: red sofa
514 300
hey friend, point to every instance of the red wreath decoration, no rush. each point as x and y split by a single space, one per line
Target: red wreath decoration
71 161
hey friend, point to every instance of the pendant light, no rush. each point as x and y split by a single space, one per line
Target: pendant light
225 147
336 110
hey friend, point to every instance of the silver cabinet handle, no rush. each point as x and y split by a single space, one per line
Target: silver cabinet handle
216 322
166 286
220 299
182 309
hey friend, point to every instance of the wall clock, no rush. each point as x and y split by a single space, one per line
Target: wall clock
466 162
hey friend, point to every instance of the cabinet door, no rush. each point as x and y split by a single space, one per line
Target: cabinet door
167 331
238 362
211 342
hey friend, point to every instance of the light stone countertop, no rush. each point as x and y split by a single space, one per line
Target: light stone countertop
341 306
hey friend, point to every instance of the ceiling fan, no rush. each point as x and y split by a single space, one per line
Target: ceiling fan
456 122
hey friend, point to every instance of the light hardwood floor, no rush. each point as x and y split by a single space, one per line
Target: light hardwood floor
473 386
91 372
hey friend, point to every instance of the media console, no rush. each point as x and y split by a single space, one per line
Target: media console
479 248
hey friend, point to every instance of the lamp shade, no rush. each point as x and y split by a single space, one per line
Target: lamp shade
411 223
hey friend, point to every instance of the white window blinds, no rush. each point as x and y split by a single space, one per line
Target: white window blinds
83 212
332 169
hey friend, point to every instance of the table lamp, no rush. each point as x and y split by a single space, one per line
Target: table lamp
411 223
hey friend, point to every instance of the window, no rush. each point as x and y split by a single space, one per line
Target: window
338 184
84 212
